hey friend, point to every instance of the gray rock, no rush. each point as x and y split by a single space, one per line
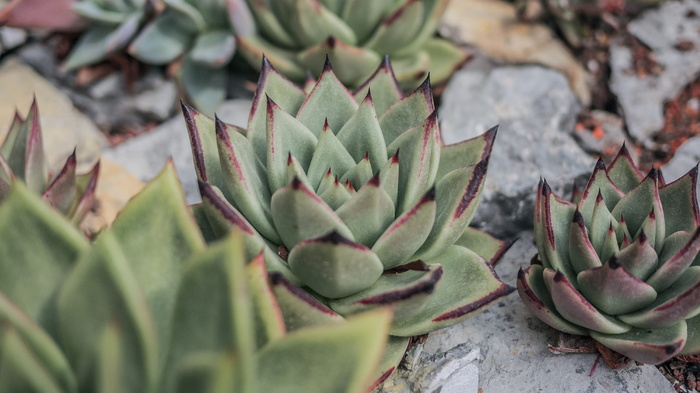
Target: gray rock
513 350
11 37
686 157
613 138
642 98
145 155
536 111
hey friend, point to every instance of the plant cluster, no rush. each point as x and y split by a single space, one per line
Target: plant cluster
295 35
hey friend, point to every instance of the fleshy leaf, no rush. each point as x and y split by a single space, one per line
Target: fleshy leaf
298 308
20 369
623 172
551 235
651 346
359 174
465 153
407 113
163 40
639 258
676 267
61 192
269 321
213 48
204 85
680 203
636 205
329 153
368 213
398 29
487 246
299 215
534 293
352 63
383 85
311 23
389 177
335 195
468 285
328 101
576 309
405 236
362 136
581 252
326 359
599 183
334 266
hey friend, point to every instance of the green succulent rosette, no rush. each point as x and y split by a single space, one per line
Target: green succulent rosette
148 307
114 23
22 158
296 35
620 262
356 199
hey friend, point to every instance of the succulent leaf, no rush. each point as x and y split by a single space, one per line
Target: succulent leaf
299 309
651 346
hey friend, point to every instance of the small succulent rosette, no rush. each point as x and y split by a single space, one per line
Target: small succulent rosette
355 200
22 157
149 307
620 262
297 35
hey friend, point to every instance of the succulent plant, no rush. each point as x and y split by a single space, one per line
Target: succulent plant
114 23
359 197
148 307
201 33
22 157
296 35
620 262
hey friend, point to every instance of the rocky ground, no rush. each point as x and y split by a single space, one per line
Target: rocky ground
550 125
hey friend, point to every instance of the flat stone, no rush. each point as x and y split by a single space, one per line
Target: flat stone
662 30
685 158
513 354
145 155
11 37
536 113
64 127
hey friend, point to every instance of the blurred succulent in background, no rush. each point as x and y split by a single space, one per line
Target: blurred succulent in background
22 157
202 33
357 193
148 308
114 23
620 263
296 36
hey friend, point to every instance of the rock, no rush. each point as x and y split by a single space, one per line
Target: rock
536 112
513 350
158 101
145 155
686 158
64 127
668 31
602 133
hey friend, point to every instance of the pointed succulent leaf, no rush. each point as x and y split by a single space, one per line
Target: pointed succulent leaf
203 140
338 358
639 258
623 172
209 372
202 84
676 266
574 307
285 94
255 50
245 178
110 357
312 23
417 149
613 289
268 22
363 16
47 258
20 369
389 177
299 309
600 223
352 63
445 58
651 346
382 84
485 245
407 113
13 133
100 290
636 204
330 100
406 292
674 304
610 246
368 213
165 237
433 11
61 192
329 153
295 171
399 29
335 195
87 184
412 68
299 215
599 183
408 232
334 266
285 135
33 162
164 39
680 203
361 135
581 252
213 308
213 48
269 321
393 355
457 197
692 343
39 344
465 153
468 285
359 174
535 294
